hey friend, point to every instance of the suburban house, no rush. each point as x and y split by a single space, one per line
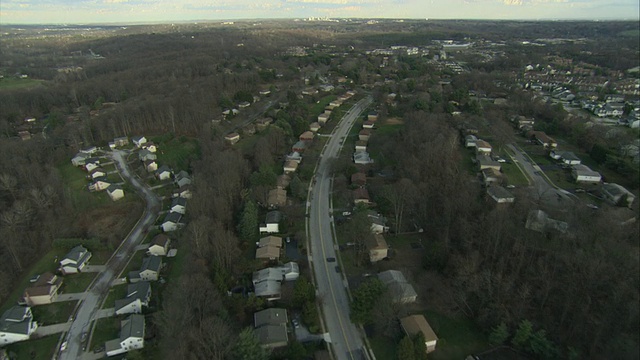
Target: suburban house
96 173
262 124
99 184
178 205
283 181
361 195
364 135
361 145
582 173
398 286
115 192
139 140
290 166
249 129
617 195
75 260
470 141
539 221
272 222
543 139
172 222
89 150
183 191
276 197
362 158
269 290
378 222
43 291
290 271
359 179
268 252
270 241
149 270
500 194
491 176
294 156
323 118
314 126
150 146
159 246
414 324
131 336
267 274
16 324
372 116
121 141
145 155
79 159
91 163
335 103
486 162
150 165
138 295
377 247
483 147
368 125
300 146
306 136
164 173
244 104
182 178
566 157
271 327
232 138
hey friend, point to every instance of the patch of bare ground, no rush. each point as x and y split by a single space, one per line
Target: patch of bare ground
394 121
112 222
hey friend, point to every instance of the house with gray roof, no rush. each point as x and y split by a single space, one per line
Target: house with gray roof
16 324
272 336
271 316
145 155
149 270
131 336
178 205
182 178
138 295
272 222
500 194
164 173
269 290
172 222
75 260
398 286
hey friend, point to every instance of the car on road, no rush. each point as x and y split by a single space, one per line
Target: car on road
593 206
331 259
63 347
338 270
511 186
295 323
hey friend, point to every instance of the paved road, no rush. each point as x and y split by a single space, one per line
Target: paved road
346 339
543 189
97 292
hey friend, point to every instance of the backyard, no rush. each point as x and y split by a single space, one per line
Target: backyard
34 349
105 329
55 313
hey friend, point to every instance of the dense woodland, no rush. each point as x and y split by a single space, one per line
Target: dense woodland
581 290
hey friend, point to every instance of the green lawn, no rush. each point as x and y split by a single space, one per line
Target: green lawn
53 313
318 108
115 293
106 329
35 349
15 83
177 153
135 263
76 283
384 348
457 337
387 130
76 187
514 175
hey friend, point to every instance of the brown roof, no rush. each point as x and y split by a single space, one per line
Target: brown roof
414 324
283 181
365 132
275 241
359 178
307 135
361 194
160 240
267 252
376 242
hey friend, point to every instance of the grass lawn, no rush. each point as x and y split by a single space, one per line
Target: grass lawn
457 337
561 178
35 349
106 329
77 282
514 175
15 83
76 187
318 108
384 348
135 263
387 129
53 313
177 153
115 293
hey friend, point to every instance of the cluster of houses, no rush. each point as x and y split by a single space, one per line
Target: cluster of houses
490 169
88 160
360 154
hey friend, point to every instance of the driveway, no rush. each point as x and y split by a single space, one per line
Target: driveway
88 309
346 339
69 297
94 268
52 329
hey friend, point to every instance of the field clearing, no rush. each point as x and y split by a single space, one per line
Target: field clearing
14 83
35 349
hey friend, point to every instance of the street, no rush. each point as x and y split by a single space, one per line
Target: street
89 306
346 339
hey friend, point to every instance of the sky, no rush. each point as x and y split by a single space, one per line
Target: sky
157 11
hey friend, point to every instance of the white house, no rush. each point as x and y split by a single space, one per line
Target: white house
151 165
99 184
414 324
91 163
470 141
483 147
172 222
138 295
75 260
131 336
139 140
500 194
149 271
582 173
89 150
159 246
362 158
182 178
183 191
377 247
97 172
272 222
164 173
80 159
150 146
145 155
290 271
43 291
16 324
179 205
115 192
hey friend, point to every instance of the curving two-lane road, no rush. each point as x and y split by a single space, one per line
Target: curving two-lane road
346 340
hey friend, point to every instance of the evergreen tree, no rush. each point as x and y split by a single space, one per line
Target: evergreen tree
499 334
249 225
406 350
522 335
248 347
